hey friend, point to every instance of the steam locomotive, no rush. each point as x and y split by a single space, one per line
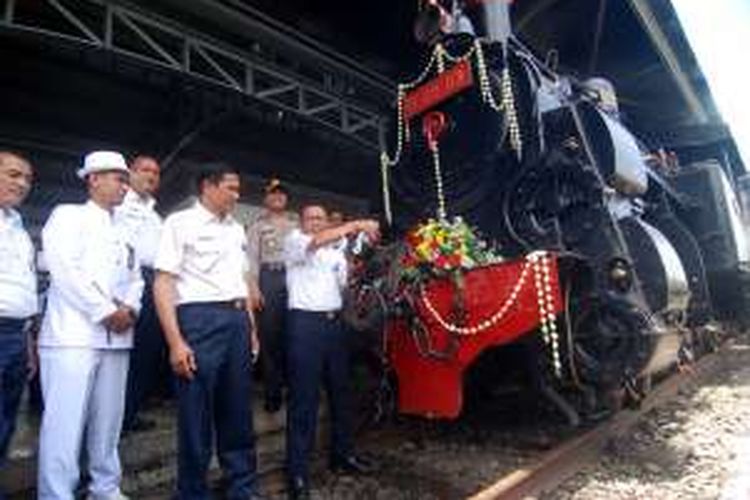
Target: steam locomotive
521 211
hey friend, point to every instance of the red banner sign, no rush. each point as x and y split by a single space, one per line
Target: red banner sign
446 85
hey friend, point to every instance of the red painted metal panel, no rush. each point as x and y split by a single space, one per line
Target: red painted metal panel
433 387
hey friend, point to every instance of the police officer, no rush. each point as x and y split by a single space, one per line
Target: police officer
18 300
201 294
142 226
86 335
316 272
265 236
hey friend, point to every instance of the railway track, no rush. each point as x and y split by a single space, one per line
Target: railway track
418 459
569 457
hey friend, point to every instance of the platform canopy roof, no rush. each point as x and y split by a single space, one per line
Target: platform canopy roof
298 87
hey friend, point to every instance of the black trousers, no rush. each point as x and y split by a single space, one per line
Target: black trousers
149 361
271 326
216 403
12 378
317 351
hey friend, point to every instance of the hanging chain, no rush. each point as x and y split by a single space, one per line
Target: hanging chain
546 303
507 105
441 211
489 322
537 263
507 102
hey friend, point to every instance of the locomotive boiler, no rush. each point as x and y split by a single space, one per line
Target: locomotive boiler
521 211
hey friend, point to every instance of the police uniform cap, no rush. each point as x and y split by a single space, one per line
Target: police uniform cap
275 184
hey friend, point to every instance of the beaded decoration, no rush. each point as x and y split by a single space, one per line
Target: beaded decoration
538 264
438 60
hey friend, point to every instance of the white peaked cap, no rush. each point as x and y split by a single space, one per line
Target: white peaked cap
102 161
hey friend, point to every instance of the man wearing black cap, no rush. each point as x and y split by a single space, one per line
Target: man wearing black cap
265 237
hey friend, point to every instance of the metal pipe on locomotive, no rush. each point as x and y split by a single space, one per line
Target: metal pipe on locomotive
521 211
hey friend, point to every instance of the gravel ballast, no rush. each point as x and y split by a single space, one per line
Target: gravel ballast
695 447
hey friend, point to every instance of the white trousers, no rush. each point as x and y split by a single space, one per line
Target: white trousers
84 391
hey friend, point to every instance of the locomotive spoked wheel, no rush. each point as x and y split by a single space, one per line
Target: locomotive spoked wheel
608 345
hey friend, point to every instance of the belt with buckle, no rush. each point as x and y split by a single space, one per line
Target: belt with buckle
13 322
273 266
237 304
329 315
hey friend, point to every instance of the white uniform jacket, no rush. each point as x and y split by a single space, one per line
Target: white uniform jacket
142 225
91 268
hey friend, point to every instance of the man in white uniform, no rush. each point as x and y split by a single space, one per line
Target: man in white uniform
86 335
201 293
317 351
148 370
18 301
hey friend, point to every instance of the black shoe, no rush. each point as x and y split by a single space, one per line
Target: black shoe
139 424
299 489
352 465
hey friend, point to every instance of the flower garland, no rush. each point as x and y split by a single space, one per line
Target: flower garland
439 248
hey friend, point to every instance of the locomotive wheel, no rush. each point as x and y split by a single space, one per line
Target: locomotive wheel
608 339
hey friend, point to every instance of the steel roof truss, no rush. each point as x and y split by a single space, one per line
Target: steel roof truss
157 41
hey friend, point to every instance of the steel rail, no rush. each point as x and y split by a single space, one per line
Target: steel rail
564 461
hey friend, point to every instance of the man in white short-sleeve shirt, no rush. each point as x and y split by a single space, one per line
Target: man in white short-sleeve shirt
316 273
18 300
201 294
